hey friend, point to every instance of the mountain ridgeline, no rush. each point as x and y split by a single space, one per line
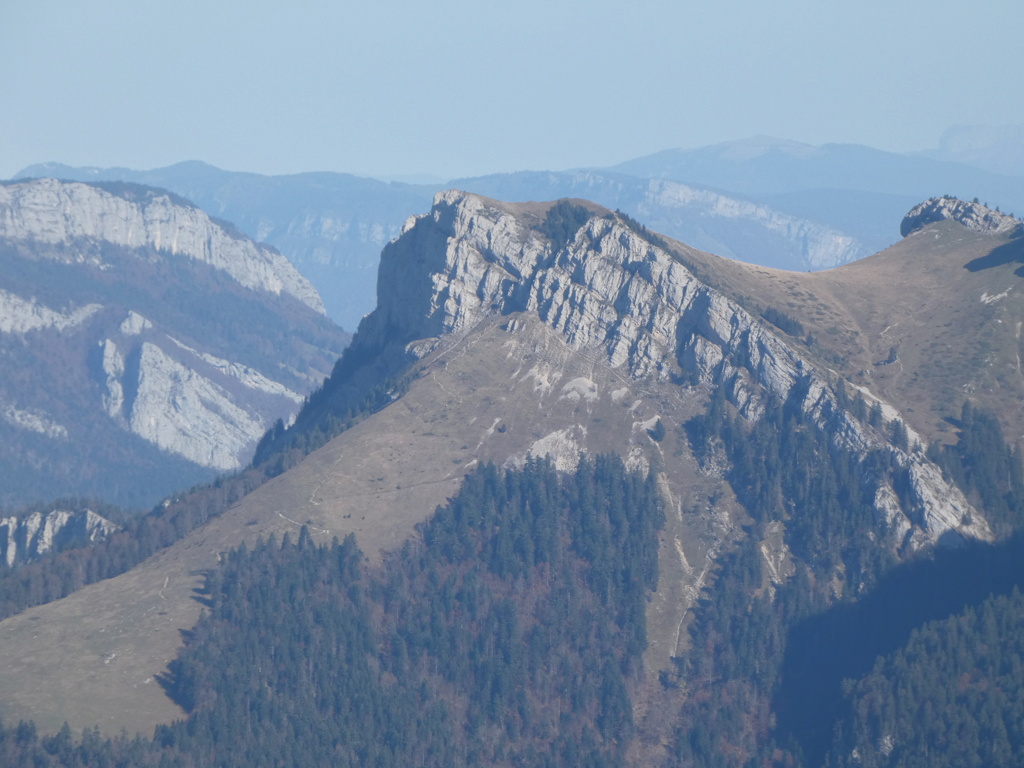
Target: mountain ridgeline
468 584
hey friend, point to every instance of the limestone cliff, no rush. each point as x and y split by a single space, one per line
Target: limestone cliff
630 299
27 537
206 409
54 212
332 226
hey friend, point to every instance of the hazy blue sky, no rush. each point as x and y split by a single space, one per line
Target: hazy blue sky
453 87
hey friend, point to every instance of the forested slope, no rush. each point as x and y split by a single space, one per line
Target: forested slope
512 634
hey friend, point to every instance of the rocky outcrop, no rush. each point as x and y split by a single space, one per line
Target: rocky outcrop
203 408
50 211
721 223
28 537
975 216
614 293
332 226
18 315
184 412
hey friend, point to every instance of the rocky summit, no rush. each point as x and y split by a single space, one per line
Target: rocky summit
975 216
148 346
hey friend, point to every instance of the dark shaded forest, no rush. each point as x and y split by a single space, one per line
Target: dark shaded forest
509 634
952 696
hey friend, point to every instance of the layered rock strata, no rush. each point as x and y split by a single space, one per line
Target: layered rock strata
55 212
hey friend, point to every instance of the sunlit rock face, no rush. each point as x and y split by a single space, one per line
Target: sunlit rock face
53 212
625 298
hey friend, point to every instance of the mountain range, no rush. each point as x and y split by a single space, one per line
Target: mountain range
765 201
811 435
999 149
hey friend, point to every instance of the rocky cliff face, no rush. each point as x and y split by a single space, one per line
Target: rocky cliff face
807 244
975 216
54 212
331 226
612 292
28 537
203 408
146 345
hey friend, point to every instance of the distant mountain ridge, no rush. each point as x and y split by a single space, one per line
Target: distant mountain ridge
146 345
768 166
999 149
713 221
761 200
331 225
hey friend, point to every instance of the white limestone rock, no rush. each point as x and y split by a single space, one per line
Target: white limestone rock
21 315
113 368
821 246
33 420
614 294
51 211
134 324
26 538
244 374
185 413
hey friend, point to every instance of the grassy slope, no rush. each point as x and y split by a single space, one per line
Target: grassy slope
929 296
92 657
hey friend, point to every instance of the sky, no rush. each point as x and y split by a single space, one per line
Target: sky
450 88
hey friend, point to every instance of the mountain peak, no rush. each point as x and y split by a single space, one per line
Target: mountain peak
757 146
974 215
472 256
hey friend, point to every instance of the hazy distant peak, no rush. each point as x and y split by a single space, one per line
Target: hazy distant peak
757 146
996 148
975 216
738 151
962 138
62 171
